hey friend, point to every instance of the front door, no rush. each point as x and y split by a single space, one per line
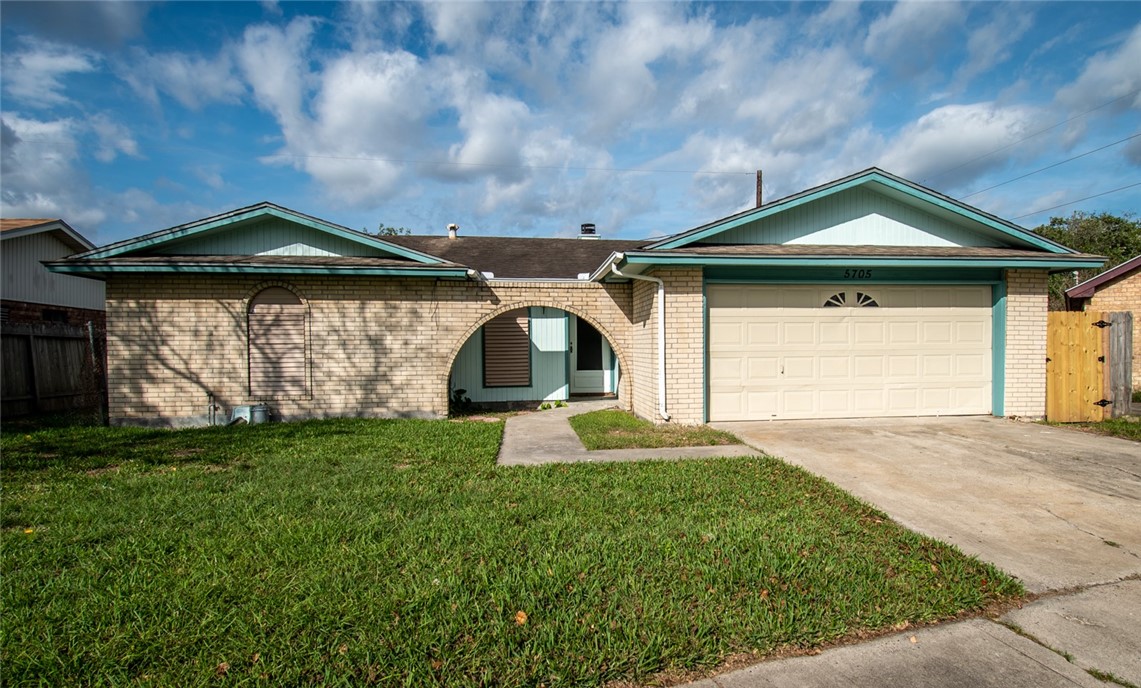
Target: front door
589 354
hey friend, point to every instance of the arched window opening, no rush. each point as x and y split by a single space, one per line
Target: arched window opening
278 356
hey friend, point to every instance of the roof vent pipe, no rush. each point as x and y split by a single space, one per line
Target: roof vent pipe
453 230
587 231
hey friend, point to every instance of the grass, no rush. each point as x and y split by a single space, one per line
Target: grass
1126 428
355 552
1137 396
613 429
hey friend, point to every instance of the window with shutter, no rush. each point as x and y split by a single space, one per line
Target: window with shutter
278 357
507 350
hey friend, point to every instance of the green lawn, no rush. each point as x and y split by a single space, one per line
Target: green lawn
1126 428
613 429
351 552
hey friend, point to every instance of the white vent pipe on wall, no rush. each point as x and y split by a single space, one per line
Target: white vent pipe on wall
661 332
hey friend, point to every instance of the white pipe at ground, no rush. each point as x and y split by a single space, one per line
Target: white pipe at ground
661 331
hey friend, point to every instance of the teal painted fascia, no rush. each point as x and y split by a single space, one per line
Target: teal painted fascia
96 269
835 275
998 350
182 232
919 194
861 261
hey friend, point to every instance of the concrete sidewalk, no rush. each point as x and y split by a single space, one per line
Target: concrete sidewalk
541 437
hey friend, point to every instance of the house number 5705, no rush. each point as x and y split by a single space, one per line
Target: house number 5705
857 274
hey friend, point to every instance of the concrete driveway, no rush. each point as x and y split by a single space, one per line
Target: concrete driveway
1056 507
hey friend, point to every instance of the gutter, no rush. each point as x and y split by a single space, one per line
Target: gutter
661 329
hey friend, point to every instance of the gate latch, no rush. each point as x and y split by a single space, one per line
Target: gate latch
1103 403
1102 324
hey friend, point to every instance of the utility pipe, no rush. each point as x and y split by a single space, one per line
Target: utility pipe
661 330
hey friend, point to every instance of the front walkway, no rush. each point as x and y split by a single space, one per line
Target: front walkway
541 437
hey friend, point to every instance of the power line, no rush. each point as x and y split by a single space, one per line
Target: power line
1079 200
1030 136
499 165
1050 167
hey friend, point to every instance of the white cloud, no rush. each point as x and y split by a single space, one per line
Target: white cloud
1107 75
620 83
114 138
954 136
192 80
806 98
274 63
913 35
989 45
34 76
41 176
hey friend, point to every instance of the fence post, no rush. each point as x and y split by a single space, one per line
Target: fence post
1120 354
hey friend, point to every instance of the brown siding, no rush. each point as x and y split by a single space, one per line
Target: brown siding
507 350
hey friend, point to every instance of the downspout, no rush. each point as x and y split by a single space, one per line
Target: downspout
661 331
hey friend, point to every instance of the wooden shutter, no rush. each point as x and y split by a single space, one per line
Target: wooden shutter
277 352
507 350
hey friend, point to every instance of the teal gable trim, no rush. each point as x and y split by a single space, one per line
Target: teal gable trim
998 350
97 269
238 217
873 176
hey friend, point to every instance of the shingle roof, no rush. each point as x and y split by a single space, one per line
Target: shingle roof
520 257
317 261
22 222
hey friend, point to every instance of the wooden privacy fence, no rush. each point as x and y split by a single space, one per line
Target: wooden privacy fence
50 367
1089 361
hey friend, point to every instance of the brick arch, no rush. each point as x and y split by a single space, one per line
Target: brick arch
262 286
626 389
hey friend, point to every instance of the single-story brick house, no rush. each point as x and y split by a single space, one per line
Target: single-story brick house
866 296
1116 289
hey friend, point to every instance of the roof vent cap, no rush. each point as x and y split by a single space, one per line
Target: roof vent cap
587 231
453 230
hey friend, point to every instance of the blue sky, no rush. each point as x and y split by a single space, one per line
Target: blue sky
529 119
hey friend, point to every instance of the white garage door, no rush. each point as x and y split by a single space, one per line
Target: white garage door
841 351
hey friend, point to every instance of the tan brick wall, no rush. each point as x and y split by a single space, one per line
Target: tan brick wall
1123 294
1026 306
685 346
378 347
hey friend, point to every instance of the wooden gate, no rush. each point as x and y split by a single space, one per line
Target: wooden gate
1076 347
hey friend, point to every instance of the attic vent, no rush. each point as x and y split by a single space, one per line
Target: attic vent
587 231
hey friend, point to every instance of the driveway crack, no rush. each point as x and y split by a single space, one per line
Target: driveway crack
1087 532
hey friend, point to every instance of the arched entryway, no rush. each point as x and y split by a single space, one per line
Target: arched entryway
537 353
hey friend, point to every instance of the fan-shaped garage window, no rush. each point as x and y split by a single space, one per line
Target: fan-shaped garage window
836 300
840 299
278 356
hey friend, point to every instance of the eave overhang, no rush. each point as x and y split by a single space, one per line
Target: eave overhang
640 261
98 269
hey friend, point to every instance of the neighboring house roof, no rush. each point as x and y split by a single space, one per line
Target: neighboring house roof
520 257
11 228
1087 289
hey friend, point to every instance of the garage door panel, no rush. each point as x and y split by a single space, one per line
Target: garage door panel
762 334
803 360
727 368
798 334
